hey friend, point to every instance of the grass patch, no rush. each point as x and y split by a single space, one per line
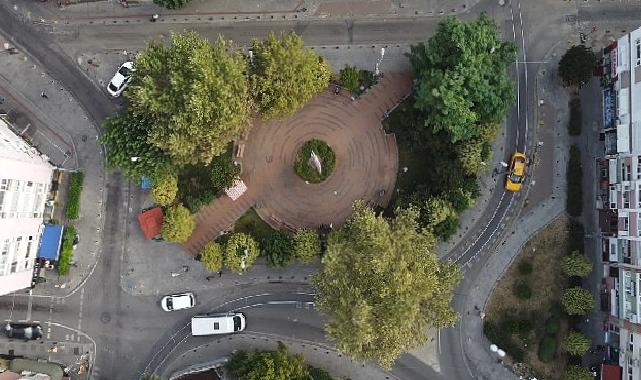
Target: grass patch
66 252
250 223
574 204
508 314
576 117
73 199
326 156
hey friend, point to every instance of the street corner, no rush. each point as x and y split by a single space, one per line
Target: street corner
101 66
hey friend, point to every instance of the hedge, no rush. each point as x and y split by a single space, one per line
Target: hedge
574 126
574 205
66 252
547 348
73 198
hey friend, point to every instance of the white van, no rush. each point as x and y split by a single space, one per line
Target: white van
217 324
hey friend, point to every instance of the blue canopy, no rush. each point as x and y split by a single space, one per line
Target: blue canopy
146 183
50 242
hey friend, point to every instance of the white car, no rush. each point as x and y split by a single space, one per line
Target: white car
121 79
178 302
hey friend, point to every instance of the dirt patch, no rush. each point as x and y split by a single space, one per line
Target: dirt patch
519 322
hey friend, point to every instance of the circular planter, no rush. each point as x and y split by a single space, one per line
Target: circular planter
304 166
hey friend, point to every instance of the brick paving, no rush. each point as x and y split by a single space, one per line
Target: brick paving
366 163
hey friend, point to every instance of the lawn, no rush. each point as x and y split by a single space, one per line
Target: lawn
519 324
251 223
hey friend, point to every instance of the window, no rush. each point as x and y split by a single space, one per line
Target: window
5 247
626 198
626 224
638 43
14 266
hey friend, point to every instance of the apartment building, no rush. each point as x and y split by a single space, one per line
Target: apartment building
25 178
619 198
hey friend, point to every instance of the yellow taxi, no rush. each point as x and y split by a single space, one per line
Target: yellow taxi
516 174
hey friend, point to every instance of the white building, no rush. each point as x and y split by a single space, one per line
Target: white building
25 178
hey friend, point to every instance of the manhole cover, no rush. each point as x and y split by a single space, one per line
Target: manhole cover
570 18
105 317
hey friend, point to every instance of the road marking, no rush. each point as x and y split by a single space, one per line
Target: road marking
49 320
526 89
82 298
29 307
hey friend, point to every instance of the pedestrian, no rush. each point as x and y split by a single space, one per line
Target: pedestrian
220 273
154 17
44 95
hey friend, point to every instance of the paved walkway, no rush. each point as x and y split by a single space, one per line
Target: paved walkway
366 163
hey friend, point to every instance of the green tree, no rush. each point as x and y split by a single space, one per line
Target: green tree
194 95
279 248
172 4
382 287
577 301
469 154
307 245
461 77
125 139
576 343
576 264
223 171
437 210
165 189
575 372
267 365
178 224
241 250
212 256
577 65
285 75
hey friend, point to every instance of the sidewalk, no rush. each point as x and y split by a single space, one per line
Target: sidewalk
58 126
207 11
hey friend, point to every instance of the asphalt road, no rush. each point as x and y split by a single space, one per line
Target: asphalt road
131 330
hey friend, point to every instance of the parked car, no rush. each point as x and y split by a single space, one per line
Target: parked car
516 173
178 302
121 79
26 331
214 324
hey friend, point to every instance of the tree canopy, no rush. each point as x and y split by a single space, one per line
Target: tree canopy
576 264
307 245
125 139
285 75
382 287
241 250
193 94
576 343
576 372
577 301
212 256
279 248
178 224
577 65
165 189
461 77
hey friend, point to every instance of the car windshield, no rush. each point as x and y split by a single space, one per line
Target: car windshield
170 303
124 71
515 178
112 87
236 323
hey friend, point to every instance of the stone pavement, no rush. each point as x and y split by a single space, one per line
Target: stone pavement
59 127
366 163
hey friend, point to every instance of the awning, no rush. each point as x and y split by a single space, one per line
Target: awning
610 372
237 189
151 222
50 242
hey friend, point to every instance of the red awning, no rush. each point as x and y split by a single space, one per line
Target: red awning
610 372
151 222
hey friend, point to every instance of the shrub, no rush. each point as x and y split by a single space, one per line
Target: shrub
575 372
350 78
66 251
576 343
172 4
73 198
212 256
574 203
577 301
547 348
577 236
223 170
574 127
319 374
306 245
552 326
326 156
241 250
279 248
525 267
576 264
503 339
447 228
522 291
460 199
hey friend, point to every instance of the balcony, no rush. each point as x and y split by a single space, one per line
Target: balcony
609 222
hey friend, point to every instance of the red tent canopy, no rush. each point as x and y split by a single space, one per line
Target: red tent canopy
151 222
610 372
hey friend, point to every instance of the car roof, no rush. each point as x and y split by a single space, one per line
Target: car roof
181 300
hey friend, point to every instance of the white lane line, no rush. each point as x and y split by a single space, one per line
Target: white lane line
485 229
29 306
49 320
82 298
526 88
